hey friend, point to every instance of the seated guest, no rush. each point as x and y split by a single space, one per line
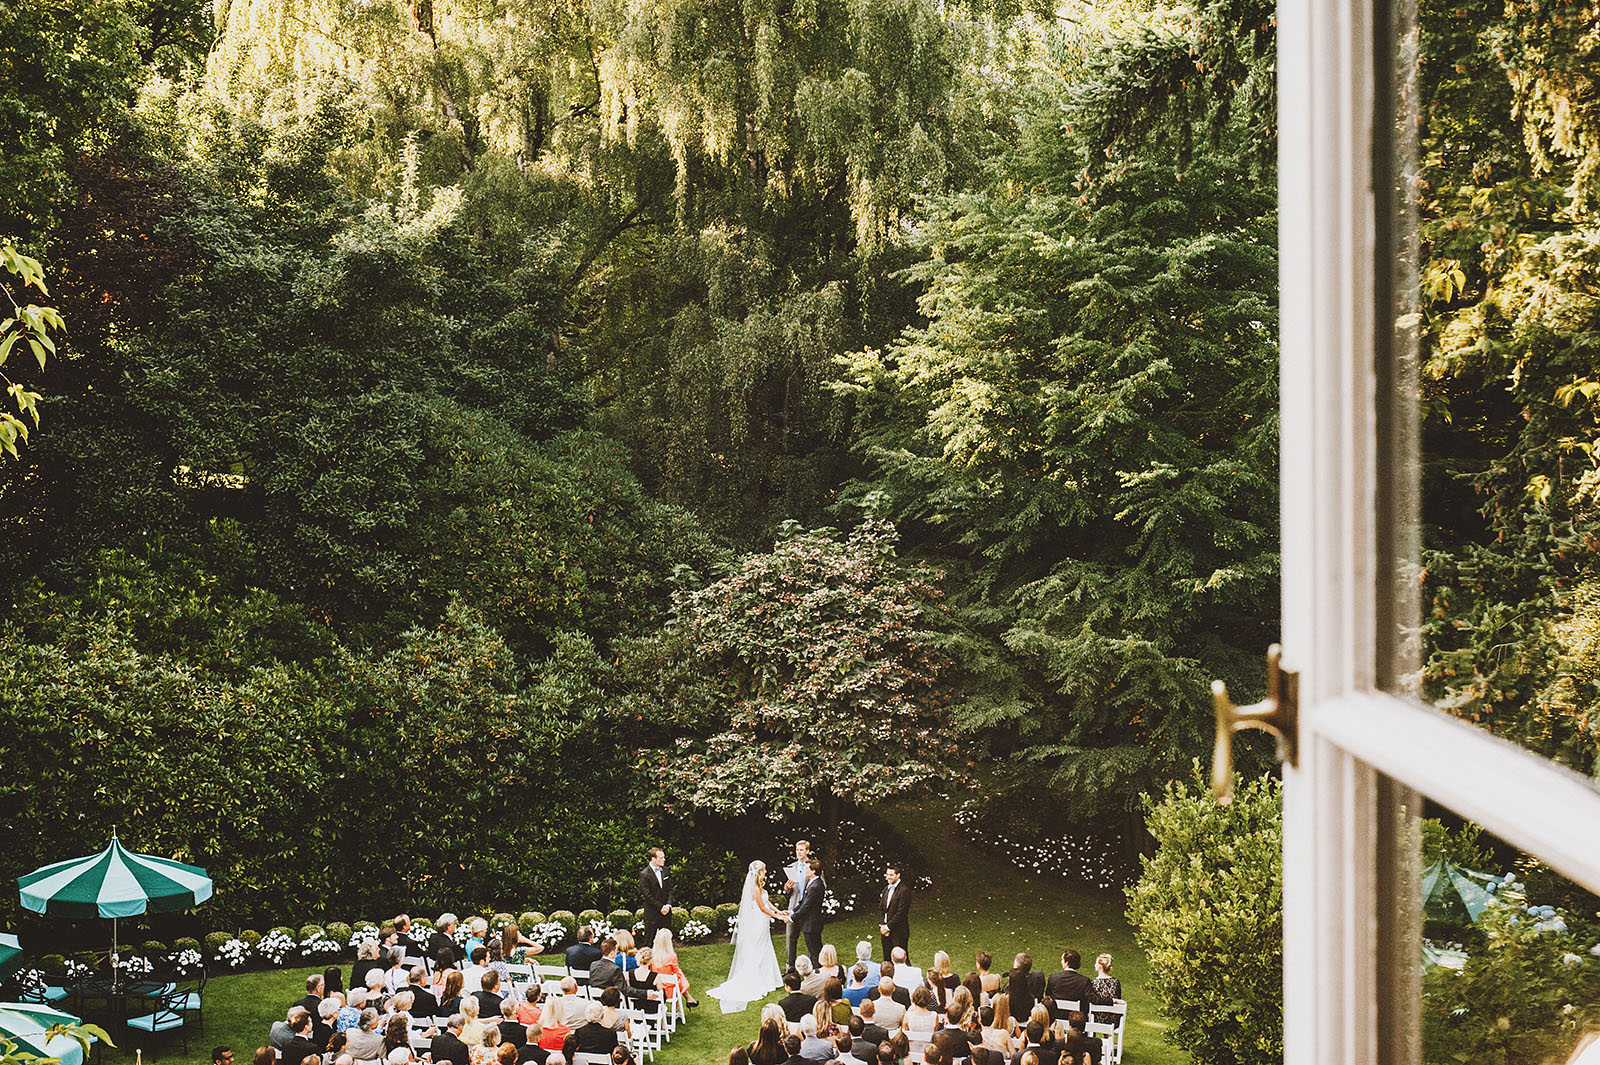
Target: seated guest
423 1002
901 1044
864 957
812 1046
395 974
583 953
472 974
905 974
974 985
941 980
330 1055
282 1031
511 1030
997 1026
919 1016
450 997
472 1030
643 978
569 1008
397 1035
400 1006
611 1010
951 1036
591 1037
332 981
1068 985
1104 989
857 989
962 1011
627 950
885 1055
488 996
485 1051
671 979
349 1015
447 1045
860 1046
1023 985
604 972
838 1010
844 1045
529 1010
796 1003
768 1049
477 933
364 1043
990 981
443 965
791 1047
828 962
322 1026
443 940
509 1053
1077 1047
811 981
531 1052
892 1002
622 1056
408 944
515 947
300 1044
314 993
264 1056
872 1031
366 959
554 1037
377 994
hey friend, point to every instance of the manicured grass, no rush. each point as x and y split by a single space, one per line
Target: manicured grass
976 903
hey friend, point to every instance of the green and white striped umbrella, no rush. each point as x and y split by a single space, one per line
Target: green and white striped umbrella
114 883
25 1025
10 955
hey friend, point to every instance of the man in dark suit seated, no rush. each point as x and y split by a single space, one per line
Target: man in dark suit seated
489 996
951 1037
872 1031
443 938
582 954
512 1030
796 1003
300 1044
1044 1046
860 1046
314 991
530 1052
605 973
447 1045
1068 984
423 1001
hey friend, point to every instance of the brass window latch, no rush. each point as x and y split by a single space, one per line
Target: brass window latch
1278 713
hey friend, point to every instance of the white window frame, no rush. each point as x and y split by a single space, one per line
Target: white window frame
1346 970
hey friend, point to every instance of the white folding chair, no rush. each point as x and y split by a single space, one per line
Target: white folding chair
1107 1034
645 1036
1117 1022
582 1058
519 975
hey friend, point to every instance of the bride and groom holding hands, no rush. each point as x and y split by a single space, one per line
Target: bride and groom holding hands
754 972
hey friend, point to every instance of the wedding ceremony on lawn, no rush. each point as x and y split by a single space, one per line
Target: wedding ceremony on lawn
768 532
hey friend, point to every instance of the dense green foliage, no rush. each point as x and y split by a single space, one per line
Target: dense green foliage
1208 910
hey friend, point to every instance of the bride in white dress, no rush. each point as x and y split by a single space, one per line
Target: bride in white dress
754 973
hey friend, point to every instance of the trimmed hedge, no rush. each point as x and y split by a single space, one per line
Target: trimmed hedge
590 916
528 920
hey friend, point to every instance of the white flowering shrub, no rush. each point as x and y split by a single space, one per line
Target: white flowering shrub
136 968
234 953
694 932
187 962
319 945
602 928
548 934
276 946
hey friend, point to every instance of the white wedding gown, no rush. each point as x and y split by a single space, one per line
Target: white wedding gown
754 973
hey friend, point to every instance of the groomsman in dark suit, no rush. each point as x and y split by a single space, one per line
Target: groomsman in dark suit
894 914
807 914
1069 985
656 887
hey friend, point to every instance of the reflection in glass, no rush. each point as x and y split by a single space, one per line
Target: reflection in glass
1510 953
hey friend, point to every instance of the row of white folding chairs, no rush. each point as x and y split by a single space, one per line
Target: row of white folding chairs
1111 1032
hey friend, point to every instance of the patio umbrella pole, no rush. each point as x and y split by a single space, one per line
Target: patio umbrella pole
115 978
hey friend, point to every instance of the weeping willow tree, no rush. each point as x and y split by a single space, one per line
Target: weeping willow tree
723 182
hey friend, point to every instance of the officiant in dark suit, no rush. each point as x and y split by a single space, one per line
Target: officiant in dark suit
894 914
656 888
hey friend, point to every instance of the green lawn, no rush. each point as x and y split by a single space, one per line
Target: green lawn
976 903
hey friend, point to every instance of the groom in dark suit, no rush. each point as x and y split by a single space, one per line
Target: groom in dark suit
807 913
656 887
894 914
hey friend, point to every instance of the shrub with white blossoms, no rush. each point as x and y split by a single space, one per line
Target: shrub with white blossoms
234 953
187 962
548 934
695 931
136 967
362 936
602 929
317 943
733 926
275 946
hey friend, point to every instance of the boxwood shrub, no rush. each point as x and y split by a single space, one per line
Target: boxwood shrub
567 919
620 919
529 920
250 937
183 943
590 916
215 942
340 933
307 931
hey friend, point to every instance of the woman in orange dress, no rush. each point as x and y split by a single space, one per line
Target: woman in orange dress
664 963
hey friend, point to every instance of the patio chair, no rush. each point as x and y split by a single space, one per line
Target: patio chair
168 1016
